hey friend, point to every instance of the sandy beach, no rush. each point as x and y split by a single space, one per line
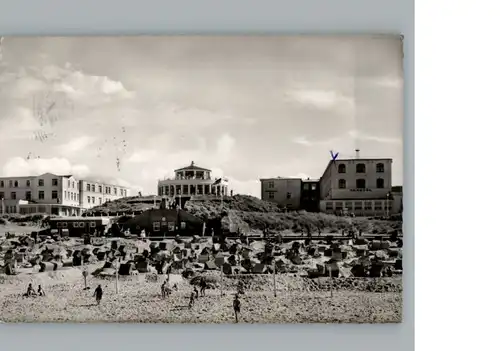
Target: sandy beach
140 301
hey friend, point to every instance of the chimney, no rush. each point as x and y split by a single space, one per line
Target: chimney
357 153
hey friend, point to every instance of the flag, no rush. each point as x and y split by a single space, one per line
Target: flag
334 158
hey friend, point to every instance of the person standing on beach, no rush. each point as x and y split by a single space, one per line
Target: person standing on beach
40 291
203 286
164 289
191 299
236 307
98 294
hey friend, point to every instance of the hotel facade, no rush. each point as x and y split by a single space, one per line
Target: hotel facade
191 182
46 194
359 186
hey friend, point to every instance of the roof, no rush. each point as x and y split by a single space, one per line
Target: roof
310 180
279 178
193 167
74 218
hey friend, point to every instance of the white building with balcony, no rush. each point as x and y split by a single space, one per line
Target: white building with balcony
192 181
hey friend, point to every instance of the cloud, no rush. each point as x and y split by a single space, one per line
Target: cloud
350 136
75 145
143 156
225 146
379 139
18 166
320 99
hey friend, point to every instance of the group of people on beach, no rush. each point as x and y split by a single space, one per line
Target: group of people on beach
31 291
195 294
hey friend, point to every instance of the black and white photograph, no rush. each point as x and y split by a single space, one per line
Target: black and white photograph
201 179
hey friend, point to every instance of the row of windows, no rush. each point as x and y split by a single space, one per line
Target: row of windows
41 195
172 190
170 225
358 205
308 186
41 182
107 189
361 168
68 195
75 225
361 183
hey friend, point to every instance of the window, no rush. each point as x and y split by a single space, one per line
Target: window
183 225
156 226
380 183
16 184
73 185
41 195
342 184
380 168
92 224
100 201
358 205
185 189
54 182
69 183
124 192
65 195
54 195
271 185
13 195
93 199
28 195
341 168
288 195
81 225
10 183
329 206
115 191
1 195
368 205
360 168
75 224
121 191
59 224
360 183
339 206
88 187
100 188
378 205
40 182
171 226
2 184
28 183
313 186
64 224
271 195
306 186
93 188
348 205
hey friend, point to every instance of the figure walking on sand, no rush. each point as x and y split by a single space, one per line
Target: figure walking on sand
203 286
191 299
236 307
98 294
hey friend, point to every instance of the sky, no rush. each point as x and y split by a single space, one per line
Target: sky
130 110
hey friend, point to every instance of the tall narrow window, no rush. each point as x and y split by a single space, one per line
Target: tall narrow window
342 184
360 168
380 168
380 183
341 168
360 183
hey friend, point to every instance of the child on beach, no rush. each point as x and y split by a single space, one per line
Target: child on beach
236 307
98 294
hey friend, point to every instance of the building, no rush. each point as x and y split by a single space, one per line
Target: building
361 186
96 193
192 181
310 195
49 193
166 222
285 192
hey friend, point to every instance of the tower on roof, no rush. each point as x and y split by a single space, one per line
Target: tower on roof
192 163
